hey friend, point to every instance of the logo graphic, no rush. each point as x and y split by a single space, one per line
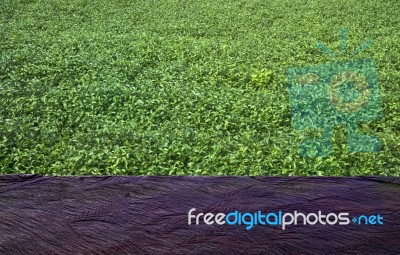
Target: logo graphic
279 218
341 93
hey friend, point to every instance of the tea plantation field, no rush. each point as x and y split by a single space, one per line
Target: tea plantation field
183 87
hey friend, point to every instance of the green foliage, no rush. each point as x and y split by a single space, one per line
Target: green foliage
180 87
261 77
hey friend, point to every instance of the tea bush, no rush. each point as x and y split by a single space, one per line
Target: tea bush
181 87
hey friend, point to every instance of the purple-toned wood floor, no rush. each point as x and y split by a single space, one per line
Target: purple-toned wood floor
149 215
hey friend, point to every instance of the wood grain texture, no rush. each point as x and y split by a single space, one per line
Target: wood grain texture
149 215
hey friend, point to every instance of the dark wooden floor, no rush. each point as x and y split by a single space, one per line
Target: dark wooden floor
149 215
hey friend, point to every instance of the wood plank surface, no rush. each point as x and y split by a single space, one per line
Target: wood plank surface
149 215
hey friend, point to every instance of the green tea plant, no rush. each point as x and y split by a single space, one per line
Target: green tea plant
180 87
